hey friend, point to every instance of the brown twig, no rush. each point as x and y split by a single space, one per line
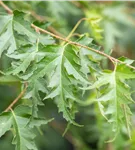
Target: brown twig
75 27
73 43
17 98
70 42
6 7
80 45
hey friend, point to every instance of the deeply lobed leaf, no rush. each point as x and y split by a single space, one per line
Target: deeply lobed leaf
115 96
20 120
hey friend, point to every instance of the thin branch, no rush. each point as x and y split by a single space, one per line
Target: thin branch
73 43
18 97
76 34
80 45
70 42
75 27
6 7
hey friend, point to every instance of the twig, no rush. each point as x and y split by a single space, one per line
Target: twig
70 42
80 45
6 7
75 27
18 97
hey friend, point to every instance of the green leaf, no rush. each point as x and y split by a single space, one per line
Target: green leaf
63 73
62 66
15 31
33 94
20 120
38 122
61 69
23 136
22 124
7 39
5 123
26 59
23 27
115 96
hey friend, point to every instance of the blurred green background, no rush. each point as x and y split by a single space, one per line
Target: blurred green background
112 26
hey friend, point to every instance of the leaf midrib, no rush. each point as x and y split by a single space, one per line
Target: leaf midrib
17 131
115 94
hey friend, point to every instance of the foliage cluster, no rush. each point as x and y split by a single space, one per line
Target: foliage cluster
81 78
